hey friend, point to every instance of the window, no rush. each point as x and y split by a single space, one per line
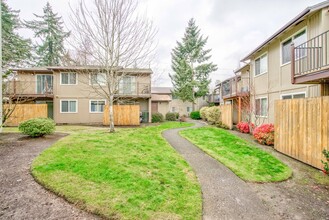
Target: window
294 96
69 106
44 84
68 78
127 85
189 109
261 65
261 107
98 79
297 39
173 109
97 106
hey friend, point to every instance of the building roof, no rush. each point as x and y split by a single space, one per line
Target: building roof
51 68
161 90
161 97
300 17
244 67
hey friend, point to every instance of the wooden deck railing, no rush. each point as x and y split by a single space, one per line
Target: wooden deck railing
310 56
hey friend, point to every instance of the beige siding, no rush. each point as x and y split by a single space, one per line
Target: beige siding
277 81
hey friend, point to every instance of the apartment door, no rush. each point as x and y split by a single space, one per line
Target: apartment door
44 84
50 108
154 107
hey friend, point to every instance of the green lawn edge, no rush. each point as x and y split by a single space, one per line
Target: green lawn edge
177 193
247 161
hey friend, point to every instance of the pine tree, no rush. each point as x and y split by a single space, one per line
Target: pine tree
49 29
191 66
15 49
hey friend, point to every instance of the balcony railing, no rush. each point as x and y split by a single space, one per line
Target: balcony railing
310 57
134 89
214 98
28 88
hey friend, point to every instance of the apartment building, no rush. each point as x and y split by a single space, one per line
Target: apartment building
292 63
75 94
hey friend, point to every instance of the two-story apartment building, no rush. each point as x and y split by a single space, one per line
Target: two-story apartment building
76 94
292 63
163 101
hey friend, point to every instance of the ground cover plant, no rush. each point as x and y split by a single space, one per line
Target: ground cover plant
129 174
245 160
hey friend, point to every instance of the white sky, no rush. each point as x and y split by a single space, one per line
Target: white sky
234 27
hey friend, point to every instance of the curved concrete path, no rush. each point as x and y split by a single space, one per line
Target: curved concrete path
225 196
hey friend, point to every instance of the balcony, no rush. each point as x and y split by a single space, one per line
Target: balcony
134 90
311 61
214 98
32 89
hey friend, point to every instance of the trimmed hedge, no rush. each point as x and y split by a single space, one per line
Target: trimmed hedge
157 117
195 115
171 116
37 127
203 112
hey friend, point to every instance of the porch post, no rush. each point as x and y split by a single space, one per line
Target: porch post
292 63
150 109
239 112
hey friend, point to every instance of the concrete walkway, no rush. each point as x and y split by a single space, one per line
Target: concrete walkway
225 196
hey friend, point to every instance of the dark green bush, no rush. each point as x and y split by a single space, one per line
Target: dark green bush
157 117
195 115
177 115
37 127
171 116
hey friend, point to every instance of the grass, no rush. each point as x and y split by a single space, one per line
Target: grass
130 174
245 160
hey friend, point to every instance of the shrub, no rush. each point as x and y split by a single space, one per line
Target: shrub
203 113
177 115
171 116
37 127
326 162
220 124
195 115
244 127
213 114
157 117
264 134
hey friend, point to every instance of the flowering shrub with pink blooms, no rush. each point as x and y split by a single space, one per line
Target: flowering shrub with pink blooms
264 134
244 127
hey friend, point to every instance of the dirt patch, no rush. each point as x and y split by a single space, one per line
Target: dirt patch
20 196
304 196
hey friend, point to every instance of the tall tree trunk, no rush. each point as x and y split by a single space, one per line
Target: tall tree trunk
111 114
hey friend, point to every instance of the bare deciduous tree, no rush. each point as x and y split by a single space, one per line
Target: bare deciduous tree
112 36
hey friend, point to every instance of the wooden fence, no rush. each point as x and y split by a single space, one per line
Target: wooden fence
123 115
302 128
23 112
227 115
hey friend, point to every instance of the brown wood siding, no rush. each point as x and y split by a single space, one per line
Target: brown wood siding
226 115
123 115
25 112
301 128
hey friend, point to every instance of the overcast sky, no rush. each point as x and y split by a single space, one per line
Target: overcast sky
234 27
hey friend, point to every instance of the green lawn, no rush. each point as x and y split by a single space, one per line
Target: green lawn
130 174
245 160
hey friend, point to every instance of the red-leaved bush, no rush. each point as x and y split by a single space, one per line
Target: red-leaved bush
244 127
264 134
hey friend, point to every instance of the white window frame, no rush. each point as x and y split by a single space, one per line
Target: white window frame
76 79
292 94
99 84
292 40
260 98
97 100
261 73
60 106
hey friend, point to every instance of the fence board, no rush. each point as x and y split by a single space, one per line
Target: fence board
301 128
227 115
23 112
123 115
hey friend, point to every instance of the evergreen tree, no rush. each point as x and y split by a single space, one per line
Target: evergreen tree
49 29
191 66
15 49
